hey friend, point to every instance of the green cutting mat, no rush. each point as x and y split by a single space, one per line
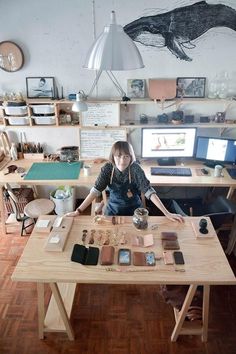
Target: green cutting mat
53 170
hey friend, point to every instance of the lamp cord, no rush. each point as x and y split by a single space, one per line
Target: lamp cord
116 83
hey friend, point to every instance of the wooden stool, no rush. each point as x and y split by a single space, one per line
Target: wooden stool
38 207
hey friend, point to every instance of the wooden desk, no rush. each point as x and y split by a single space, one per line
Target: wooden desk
193 181
205 264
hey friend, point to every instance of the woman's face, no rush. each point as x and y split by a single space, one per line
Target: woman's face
122 160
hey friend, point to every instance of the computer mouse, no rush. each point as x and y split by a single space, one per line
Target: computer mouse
204 171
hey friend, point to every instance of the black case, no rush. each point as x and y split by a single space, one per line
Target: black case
84 255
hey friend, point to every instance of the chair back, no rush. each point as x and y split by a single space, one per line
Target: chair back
13 200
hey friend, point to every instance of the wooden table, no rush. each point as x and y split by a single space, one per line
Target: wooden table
205 264
192 181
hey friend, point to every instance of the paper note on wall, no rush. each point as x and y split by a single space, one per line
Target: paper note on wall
97 143
101 114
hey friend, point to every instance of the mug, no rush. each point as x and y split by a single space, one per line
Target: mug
218 171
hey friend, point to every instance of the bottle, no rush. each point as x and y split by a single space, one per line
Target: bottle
13 152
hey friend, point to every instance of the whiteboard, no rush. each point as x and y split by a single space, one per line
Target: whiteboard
97 143
101 114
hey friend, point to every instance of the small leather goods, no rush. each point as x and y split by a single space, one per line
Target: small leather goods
84 255
139 259
170 244
107 255
169 235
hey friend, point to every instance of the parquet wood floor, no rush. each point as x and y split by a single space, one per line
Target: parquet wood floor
107 318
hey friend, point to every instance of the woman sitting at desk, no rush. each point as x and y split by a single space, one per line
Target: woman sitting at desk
126 181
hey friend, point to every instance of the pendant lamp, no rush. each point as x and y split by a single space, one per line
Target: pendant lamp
113 50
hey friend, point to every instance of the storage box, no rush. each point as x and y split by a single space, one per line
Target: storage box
16 111
43 109
18 120
44 120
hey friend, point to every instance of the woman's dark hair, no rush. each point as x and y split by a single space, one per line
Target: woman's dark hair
122 147
42 79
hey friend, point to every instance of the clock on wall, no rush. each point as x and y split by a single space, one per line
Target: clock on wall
11 56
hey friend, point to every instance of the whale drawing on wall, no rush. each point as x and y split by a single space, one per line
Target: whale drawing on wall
177 29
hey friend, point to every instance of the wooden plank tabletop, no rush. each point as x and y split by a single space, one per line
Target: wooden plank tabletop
205 261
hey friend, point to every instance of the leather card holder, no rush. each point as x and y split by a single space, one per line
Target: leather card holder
84 255
170 244
139 259
107 255
169 235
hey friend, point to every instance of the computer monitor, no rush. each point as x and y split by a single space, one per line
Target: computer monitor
215 151
166 144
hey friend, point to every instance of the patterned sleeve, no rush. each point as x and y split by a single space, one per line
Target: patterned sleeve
103 178
141 181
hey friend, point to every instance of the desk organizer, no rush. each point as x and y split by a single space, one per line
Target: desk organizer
33 156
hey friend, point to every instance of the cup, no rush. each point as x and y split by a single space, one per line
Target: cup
87 170
218 171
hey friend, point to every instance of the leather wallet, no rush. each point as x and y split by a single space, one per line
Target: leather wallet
170 244
84 255
169 235
107 255
139 259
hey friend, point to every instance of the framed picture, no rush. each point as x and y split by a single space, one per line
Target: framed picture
136 88
40 87
191 87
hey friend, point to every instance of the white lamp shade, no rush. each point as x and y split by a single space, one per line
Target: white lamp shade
113 50
79 107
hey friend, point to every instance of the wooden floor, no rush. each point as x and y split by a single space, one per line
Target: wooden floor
106 318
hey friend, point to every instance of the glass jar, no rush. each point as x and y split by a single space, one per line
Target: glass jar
140 218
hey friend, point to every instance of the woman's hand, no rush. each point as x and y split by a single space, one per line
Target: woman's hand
73 213
175 217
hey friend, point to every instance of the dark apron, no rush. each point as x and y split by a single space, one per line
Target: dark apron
119 203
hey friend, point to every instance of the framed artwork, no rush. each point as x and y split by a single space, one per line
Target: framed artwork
136 88
40 87
192 87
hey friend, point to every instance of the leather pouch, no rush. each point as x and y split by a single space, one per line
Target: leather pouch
84 255
162 89
107 255
170 244
139 259
169 235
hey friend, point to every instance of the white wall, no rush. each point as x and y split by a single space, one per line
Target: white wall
55 36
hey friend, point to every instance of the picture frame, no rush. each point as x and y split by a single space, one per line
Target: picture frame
136 88
191 87
40 87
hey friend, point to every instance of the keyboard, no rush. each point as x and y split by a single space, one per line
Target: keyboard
171 171
232 172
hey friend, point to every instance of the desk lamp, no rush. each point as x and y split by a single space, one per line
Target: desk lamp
113 50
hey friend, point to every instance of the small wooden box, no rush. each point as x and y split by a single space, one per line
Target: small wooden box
31 156
57 238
